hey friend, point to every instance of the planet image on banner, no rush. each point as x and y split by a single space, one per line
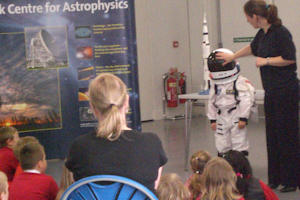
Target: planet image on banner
46 48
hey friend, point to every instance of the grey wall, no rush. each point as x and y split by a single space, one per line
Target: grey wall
289 12
234 24
159 22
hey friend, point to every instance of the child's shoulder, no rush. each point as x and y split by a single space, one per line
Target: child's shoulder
242 79
243 83
36 177
6 152
47 178
5 149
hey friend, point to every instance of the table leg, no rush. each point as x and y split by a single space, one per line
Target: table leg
188 119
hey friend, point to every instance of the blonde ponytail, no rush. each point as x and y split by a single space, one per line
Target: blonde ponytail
110 126
108 94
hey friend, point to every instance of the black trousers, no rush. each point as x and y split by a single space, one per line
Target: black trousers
281 111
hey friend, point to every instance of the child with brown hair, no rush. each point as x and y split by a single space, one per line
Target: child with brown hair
197 162
33 183
3 186
249 186
9 136
172 188
218 181
20 144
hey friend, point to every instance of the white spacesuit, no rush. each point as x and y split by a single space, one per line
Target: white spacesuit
230 100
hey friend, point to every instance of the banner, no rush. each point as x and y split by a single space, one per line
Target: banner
49 52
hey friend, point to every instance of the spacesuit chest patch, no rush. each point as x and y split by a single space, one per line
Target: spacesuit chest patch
230 92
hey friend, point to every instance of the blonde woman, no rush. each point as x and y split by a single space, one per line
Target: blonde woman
172 188
113 148
218 181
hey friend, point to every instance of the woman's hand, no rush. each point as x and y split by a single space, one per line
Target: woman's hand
261 62
273 61
227 57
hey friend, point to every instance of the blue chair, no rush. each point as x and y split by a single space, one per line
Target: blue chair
121 189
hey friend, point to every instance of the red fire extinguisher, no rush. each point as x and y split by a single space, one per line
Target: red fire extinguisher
182 86
172 91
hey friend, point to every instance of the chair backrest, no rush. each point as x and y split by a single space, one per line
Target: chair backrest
121 188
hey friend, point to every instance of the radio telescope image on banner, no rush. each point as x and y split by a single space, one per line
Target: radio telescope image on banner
46 47
29 99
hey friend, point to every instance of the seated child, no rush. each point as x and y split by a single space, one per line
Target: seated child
33 183
3 187
9 136
22 141
171 187
249 186
218 181
197 163
231 98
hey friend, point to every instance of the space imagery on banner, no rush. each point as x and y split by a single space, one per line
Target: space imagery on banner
49 53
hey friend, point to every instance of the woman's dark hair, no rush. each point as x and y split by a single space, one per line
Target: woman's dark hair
261 8
242 168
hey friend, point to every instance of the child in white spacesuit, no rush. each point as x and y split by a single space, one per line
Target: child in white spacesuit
231 97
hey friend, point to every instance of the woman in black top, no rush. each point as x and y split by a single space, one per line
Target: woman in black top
114 148
276 58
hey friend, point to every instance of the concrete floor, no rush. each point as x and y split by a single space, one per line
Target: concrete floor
171 133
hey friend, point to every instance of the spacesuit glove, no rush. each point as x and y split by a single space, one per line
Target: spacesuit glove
213 126
242 124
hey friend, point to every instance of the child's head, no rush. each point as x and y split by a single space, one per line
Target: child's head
3 186
197 161
171 188
239 162
32 156
22 141
242 168
218 181
220 74
9 136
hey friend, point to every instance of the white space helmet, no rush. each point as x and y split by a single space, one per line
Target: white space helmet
222 74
